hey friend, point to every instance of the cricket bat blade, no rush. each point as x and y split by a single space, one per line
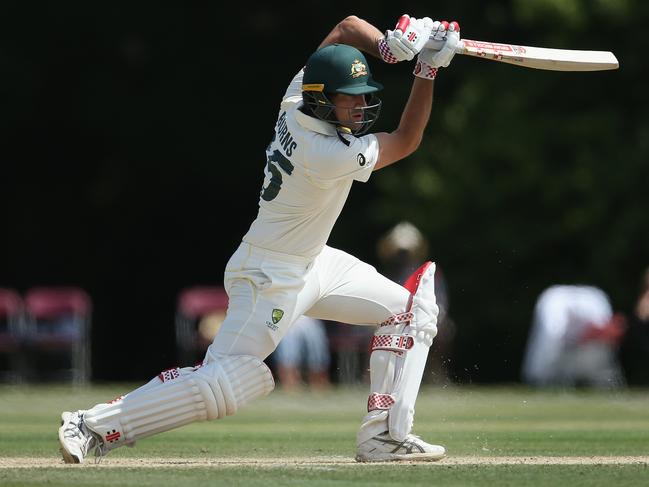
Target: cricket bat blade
534 57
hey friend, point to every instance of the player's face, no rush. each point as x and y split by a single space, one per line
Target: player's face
349 109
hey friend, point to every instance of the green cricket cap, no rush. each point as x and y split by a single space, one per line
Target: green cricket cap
339 68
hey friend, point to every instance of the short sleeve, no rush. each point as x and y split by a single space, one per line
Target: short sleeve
343 157
294 89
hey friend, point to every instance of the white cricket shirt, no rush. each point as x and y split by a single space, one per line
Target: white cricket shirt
561 315
308 174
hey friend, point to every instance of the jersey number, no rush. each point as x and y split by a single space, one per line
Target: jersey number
275 183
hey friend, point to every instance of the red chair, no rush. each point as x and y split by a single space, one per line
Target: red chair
11 320
200 310
57 333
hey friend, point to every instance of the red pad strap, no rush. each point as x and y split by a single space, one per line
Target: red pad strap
400 318
169 374
379 401
393 343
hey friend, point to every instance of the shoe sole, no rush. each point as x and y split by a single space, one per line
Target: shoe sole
67 456
409 457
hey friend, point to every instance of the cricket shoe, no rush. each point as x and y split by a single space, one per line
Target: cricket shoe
382 448
76 439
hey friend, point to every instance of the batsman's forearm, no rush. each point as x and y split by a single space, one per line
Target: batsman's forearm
404 140
355 32
417 111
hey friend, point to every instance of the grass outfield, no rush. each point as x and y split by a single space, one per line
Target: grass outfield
494 436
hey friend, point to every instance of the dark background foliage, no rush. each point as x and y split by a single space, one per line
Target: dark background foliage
133 139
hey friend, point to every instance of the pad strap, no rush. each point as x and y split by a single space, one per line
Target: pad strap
379 401
393 343
396 319
169 374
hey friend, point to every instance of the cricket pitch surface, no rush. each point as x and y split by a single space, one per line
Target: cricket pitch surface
314 462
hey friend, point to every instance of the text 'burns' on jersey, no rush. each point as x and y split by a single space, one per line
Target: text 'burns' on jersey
308 174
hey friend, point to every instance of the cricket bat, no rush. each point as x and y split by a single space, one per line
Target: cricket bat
535 57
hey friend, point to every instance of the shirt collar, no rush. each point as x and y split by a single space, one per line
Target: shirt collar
313 124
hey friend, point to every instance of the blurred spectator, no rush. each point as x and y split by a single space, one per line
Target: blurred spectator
350 352
574 339
401 251
634 351
302 356
200 310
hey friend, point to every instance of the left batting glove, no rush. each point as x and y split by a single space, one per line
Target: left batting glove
430 60
406 40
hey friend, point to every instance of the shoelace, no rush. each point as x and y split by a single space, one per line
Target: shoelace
73 430
100 452
78 430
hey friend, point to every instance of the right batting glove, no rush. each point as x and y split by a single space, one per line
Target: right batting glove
430 60
406 40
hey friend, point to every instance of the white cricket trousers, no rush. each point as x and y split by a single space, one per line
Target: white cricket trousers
269 290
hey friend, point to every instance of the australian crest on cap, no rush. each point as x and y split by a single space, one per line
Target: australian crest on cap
358 69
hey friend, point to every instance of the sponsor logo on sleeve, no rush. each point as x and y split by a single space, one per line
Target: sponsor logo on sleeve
361 159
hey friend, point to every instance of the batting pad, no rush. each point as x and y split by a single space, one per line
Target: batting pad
184 396
399 353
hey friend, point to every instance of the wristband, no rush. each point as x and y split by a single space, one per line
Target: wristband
424 70
386 52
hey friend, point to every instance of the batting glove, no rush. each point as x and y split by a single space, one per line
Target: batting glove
445 37
406 40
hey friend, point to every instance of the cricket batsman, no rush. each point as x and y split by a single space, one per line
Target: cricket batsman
284 268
